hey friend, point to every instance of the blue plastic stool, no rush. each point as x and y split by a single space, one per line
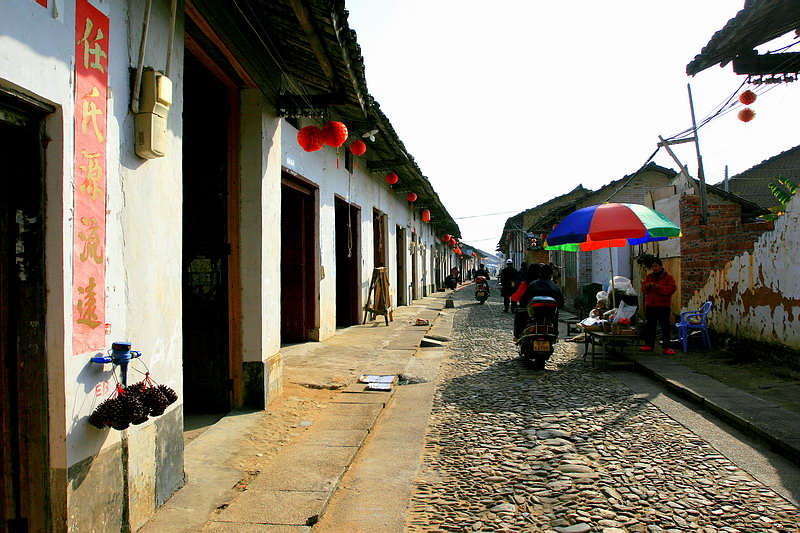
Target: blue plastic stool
685 324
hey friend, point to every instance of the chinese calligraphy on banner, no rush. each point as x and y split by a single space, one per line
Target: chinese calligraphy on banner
89 240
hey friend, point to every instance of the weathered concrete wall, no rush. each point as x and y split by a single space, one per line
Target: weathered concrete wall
143 260
756 295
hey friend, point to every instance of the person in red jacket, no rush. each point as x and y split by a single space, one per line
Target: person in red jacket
658 288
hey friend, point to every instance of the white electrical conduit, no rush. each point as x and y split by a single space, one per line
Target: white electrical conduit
137 85
172 17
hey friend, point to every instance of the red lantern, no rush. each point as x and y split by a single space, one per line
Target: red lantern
334 134
391 178
310 138
426 215
747 97
412 197
358 147
746 114
446 237
543 236
474 254
458 251
453 242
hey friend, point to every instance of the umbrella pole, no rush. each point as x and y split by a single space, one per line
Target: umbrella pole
613 295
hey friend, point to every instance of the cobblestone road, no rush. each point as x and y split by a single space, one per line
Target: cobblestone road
567 450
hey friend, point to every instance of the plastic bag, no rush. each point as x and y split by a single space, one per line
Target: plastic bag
624 314
621 283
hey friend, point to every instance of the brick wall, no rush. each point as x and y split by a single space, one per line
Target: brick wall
710 246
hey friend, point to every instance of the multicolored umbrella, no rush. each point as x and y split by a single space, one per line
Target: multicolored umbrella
609 226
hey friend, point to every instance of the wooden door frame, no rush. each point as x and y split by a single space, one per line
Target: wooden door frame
292 179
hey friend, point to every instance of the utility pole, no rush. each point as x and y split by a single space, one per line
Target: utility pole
674 157
700 173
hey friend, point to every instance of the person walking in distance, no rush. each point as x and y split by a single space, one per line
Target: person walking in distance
658 288
508 278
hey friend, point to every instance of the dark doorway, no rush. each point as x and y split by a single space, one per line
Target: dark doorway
24 448
402 286
348 263
206 246
414 276
299 263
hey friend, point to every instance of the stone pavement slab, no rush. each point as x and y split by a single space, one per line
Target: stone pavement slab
780 427
235 527
306 468
337 437
291 508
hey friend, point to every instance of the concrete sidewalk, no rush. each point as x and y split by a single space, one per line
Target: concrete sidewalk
294 487
777 426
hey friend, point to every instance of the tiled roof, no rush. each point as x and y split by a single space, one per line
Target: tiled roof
753 184
603 194
759 22
516 221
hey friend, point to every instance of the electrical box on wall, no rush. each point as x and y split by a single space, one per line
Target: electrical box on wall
150 124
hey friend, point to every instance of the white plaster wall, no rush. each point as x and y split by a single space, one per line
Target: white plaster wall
757 295
364 189
260 220
143 269
601 264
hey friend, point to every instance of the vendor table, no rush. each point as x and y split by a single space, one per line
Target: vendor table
608 343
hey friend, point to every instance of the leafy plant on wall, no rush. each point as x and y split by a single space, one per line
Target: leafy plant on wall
783 191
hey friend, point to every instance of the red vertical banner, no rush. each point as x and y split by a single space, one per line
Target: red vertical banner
89 240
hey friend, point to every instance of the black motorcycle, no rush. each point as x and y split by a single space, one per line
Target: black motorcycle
536 330
481 289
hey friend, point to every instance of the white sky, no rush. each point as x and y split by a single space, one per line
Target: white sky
507 104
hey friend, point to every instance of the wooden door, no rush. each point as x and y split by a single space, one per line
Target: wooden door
24 447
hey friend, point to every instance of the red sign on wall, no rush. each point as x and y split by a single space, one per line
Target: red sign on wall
42 3
89 241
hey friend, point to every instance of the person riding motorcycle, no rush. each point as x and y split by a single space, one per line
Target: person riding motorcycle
482 272
543 286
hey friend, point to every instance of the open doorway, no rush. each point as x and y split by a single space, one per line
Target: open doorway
348 263
299 261
400 283
210 202
24 448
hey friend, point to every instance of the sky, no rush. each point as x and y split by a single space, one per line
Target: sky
507 104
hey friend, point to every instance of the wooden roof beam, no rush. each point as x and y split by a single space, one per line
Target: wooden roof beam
304 18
